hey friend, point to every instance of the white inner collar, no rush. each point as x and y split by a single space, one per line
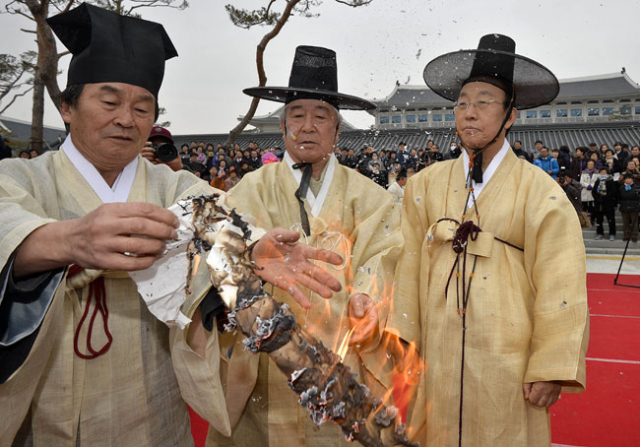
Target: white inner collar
315 203
121 188
487 173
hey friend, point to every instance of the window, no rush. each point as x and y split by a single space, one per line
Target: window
423 118
532 113
449 117
436 117
411 110
397 119
607 111
593 111
561 113
576 112
384 111
625 110
637 110
518 114
592 102
607 101
545 113
625 100
576 102
561 103
411 118
384 119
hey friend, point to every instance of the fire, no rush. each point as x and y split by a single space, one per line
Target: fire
344 346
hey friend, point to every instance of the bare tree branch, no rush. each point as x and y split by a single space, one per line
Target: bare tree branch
29 31
262 77
354 3
14 99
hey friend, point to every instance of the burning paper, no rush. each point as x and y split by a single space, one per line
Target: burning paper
325 386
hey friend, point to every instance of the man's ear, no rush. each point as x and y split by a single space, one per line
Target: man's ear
65 111
512 119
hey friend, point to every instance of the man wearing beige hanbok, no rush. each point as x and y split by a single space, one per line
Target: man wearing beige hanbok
83 362
335 208
501 332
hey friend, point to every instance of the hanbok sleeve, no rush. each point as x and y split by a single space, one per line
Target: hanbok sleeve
556 265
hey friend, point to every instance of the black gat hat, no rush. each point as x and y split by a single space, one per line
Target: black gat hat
314 75
108 47
494 62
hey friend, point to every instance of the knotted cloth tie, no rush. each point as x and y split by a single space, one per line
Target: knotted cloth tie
301 193
96 291
477 166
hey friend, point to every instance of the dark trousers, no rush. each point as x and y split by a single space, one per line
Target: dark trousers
627 221
589 208
601 211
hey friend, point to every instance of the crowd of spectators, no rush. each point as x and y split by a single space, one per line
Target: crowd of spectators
597 179
223 168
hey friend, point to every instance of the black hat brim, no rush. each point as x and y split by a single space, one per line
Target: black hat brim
535 84
285 94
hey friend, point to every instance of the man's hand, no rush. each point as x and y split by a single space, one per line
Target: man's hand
100 240
283 262
149 153
542 394
363 315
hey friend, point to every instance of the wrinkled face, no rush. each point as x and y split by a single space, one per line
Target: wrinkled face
310 130
476 127
111 123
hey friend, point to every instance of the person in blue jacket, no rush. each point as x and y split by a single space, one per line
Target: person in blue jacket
547 163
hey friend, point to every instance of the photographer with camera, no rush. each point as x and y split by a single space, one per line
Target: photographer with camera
160 149
629 206
572 189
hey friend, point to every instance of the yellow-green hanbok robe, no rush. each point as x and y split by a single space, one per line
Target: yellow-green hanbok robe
527 316
130 395
357 220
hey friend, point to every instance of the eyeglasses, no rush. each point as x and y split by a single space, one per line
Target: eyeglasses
479 104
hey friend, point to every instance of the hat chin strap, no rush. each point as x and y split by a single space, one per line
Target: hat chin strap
476 158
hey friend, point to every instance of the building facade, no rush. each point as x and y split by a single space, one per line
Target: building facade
595 99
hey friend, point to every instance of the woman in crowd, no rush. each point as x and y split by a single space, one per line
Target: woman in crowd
578 163
596 160
232 179
587 181
217 181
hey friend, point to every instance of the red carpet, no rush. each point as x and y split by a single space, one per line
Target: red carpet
608 413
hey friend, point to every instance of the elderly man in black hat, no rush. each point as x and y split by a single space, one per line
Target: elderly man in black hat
74 224
501 335
332 207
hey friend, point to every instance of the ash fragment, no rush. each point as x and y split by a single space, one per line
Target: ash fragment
337 412
296 374
386 416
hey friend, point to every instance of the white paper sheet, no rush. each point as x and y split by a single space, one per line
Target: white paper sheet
162 286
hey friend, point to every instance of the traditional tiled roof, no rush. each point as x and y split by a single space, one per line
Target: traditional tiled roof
21 131
552 135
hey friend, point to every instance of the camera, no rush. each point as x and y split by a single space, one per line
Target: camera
562 180
165 152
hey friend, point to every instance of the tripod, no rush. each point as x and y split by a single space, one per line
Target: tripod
615 281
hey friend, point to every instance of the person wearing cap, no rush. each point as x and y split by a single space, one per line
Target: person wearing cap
397 187
332 206
500 336
82 359
160 135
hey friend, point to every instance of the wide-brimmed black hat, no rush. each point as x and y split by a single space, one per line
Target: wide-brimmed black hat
495 61
314 75
108 47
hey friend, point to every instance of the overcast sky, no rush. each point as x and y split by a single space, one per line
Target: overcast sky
376 45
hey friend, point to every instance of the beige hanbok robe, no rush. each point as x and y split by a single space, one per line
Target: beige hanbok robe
358 221
527 316
129 396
